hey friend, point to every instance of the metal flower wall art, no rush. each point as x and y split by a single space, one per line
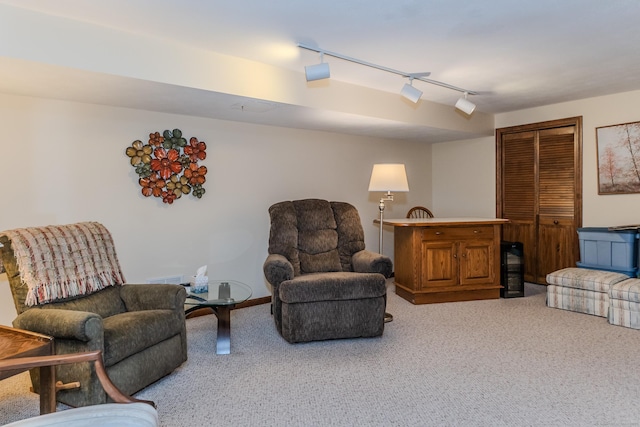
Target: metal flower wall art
168 165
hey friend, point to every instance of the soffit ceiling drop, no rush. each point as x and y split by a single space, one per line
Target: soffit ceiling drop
515 55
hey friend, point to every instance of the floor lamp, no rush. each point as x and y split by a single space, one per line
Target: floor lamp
387 177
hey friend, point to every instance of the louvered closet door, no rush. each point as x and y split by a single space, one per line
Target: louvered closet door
519 195
539 189
557 231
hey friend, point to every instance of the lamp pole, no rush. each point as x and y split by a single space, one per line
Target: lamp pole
388 198
388 317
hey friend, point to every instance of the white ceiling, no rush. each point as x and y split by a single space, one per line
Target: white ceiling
515 54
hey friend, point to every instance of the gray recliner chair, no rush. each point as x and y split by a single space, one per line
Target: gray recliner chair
325 285
140 329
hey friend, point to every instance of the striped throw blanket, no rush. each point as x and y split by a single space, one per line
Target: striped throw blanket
58 262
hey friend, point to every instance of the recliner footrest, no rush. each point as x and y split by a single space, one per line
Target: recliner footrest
333 286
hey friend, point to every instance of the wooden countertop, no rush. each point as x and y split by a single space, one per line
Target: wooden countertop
433 222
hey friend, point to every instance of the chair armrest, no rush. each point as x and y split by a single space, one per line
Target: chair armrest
153 297
66 359
58 323
277 269
370 262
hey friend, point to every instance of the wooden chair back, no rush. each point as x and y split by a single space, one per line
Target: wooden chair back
419 212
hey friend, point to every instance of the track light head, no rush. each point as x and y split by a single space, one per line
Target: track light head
319 71
410 92
465 105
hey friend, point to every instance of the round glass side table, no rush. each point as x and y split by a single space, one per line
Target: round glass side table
221 296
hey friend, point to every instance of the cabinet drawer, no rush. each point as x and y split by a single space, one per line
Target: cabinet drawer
448 233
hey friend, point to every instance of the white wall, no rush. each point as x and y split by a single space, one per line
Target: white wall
464 171
464 178
62 162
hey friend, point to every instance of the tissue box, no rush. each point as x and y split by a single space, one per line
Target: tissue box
199 284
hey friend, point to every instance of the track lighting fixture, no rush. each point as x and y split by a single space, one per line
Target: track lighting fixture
410 92
321 71
465 105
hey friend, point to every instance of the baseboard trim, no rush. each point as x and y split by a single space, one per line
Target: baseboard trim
255 301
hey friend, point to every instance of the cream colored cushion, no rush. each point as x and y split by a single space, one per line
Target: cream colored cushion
107 415
584 278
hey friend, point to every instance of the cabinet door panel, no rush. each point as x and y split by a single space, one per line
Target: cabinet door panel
523 231
519 194
557 246
476 262
557 231
556 176
439 264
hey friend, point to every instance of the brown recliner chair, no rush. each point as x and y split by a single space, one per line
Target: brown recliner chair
140 329
325 285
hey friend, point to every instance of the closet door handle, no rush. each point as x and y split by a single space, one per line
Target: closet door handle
555 221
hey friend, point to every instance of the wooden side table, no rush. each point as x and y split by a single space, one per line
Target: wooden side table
20 343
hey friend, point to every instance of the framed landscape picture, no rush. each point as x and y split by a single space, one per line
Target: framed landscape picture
618 158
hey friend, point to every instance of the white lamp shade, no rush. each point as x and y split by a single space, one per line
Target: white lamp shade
465 106
411 93
317 72
388 177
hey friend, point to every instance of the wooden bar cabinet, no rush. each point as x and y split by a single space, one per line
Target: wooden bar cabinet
447 259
